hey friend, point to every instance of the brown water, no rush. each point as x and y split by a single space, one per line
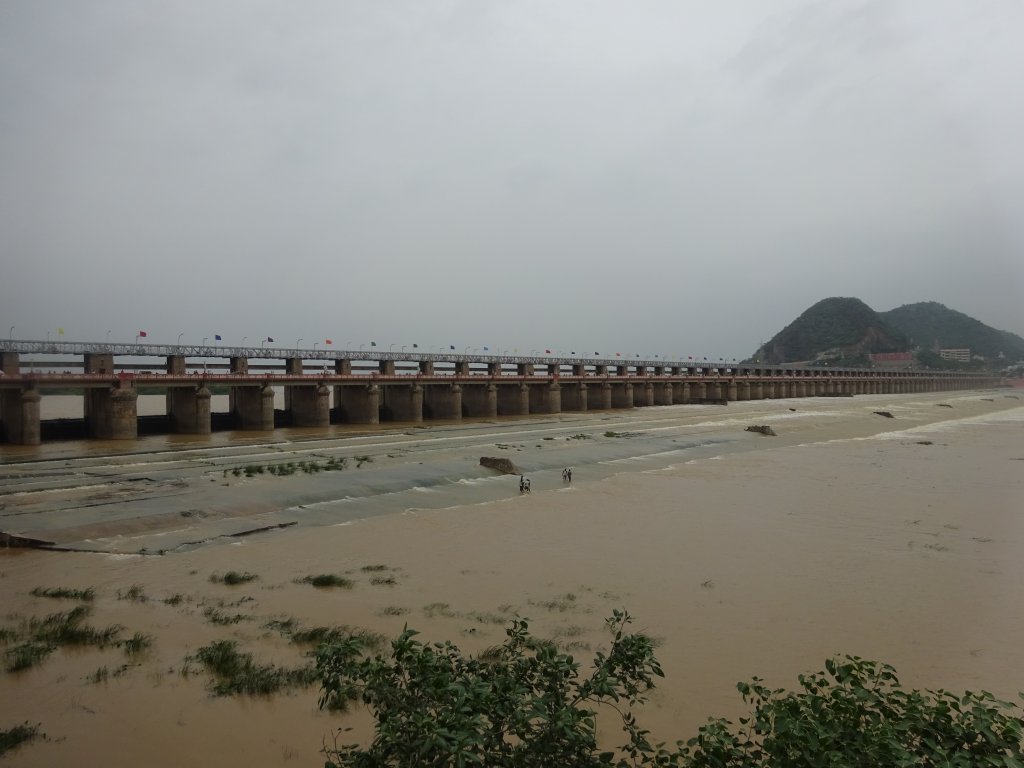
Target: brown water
743 554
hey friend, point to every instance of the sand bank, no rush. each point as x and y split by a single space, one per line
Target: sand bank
890 539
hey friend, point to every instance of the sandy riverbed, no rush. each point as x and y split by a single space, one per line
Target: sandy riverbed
895 539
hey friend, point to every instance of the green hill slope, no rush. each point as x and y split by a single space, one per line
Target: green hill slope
929 324
838 330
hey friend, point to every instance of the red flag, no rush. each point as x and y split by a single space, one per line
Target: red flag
547 351
328 341
142 334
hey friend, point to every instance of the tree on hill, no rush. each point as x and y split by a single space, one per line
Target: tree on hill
525 704
929 324
839 328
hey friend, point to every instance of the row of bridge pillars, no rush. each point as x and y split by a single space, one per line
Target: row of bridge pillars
111 413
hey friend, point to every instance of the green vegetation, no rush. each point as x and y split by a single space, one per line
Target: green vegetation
12 738
360 460
135 593
221 619
327 580
929 323
62 593
317 635
102 674
137 643
235 672
525 704
383 580
372 568
290 468
843 330
37 637
233 578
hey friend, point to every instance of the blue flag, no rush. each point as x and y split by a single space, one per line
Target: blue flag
216 337
270 338
452 346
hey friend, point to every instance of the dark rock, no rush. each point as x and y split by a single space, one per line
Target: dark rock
764 430
504 466
886 414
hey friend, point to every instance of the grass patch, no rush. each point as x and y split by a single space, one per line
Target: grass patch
102 674
316 636
233 578
394 610
374 568
328 580
62 593
333 635
360 460
235 672
176 599
383 580
27 655
12 738
39 637
563 603
483 617
221 619
137 643
579 436
135 593
439 609
283 626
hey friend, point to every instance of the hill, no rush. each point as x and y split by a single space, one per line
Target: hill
843 331
930 326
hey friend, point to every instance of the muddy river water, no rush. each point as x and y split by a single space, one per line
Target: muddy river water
891 538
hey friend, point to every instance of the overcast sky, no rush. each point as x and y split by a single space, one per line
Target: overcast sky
646 177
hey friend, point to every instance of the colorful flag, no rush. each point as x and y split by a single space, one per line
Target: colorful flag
451 346
142 334
328 341
373 343
547 351
486 349
415 346
60 331
217 337
618 354
270 338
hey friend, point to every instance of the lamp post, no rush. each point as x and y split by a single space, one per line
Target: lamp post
403 348
391 348
314 345
243 340
10 333
108 337
205 338
179 338
297 343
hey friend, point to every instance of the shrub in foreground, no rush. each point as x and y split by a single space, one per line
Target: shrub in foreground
525 704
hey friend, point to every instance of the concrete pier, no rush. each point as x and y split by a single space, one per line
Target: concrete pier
545 397
254 407
402 402
357 404
111 413
19 416
574 397
442 401
188 409
622 395
513 399
480 400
